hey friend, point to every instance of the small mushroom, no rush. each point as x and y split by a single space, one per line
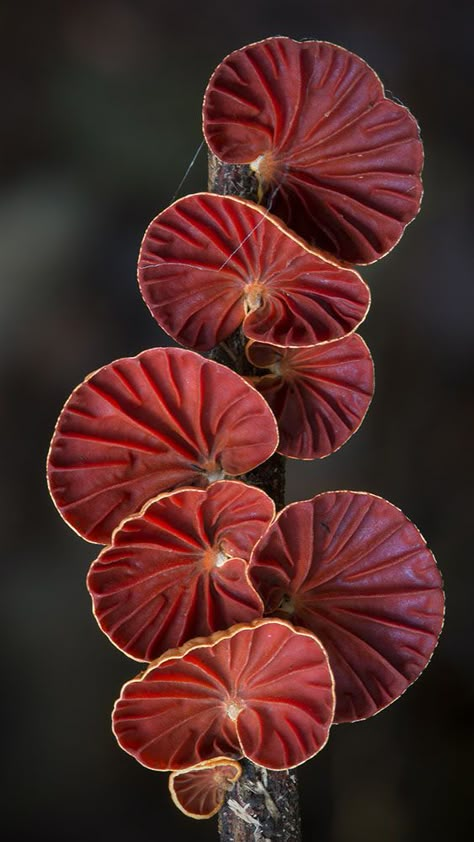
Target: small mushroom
319 395
340 162
262 690
178 570
354 570
199 792
210 263
144 425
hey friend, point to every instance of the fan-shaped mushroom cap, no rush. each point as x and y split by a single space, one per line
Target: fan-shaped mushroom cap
209 263
343 162
178 570
319 395
352 568
144 425
199 792
262 690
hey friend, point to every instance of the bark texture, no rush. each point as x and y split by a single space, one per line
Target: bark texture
232 179
263 806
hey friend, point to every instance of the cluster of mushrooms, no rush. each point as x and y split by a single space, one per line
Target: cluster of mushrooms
259 629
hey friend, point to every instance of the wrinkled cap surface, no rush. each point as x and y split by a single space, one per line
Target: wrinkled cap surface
199 792
210 263
352 568
144 425
262 690
340 161
319 395
178 570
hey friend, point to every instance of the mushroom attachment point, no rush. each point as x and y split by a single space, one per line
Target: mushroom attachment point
338 161
352 568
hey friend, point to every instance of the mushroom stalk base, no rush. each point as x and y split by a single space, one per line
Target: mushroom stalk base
263 806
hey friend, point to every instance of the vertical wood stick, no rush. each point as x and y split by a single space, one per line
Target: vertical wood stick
263 806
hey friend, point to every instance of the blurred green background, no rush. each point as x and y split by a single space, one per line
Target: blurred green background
100 118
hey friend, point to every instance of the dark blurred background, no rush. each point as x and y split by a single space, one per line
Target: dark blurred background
100 117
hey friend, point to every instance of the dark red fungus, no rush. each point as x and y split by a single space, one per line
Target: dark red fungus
339 161
262 690
199 792
319 395
210 263
353 569
144 425
178 570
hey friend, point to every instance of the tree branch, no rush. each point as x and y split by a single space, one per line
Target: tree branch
263 806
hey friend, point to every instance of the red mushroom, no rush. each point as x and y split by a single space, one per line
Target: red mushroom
319 395
353 569
144 425
340 161
178 570
199 792
262 690
211 263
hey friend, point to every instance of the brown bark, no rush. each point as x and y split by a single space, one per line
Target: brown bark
263 805
270 476
232 179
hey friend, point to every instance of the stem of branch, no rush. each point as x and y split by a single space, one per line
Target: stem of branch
263 806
